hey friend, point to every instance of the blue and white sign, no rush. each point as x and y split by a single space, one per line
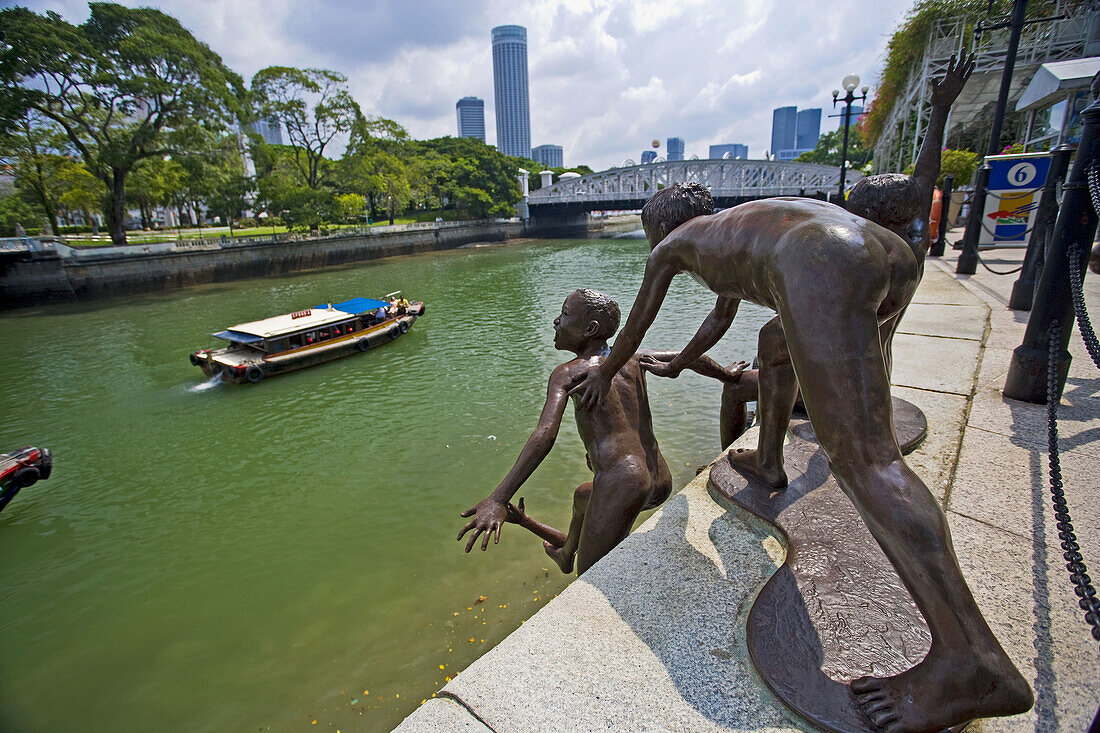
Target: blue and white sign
1013 195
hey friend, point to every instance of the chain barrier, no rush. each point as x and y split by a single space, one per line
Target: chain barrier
1078 572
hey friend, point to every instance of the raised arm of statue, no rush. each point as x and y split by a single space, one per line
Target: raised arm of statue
944 93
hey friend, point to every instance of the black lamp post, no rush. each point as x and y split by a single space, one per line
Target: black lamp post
849 83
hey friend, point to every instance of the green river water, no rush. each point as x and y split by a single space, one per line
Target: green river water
259 557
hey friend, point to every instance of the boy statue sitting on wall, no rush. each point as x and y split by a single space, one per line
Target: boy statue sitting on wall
629 472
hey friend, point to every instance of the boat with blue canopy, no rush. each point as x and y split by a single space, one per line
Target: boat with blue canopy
280 344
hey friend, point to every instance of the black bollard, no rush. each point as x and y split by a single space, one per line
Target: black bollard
1027 374
1024 288
945 213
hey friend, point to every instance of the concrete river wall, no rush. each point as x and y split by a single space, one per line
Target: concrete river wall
52 271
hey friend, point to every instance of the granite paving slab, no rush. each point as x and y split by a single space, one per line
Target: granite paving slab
945 364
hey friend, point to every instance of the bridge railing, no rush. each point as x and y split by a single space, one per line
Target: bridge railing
743 178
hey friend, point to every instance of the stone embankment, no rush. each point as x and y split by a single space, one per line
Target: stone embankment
35 272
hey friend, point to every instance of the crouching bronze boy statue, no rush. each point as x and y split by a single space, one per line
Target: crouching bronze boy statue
629 473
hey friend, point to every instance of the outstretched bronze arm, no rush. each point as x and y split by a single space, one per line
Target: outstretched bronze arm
944 93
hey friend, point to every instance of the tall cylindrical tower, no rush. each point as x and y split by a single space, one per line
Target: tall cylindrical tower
510 90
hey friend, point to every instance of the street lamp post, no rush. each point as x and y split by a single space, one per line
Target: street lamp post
849 83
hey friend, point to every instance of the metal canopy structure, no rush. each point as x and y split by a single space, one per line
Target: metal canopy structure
905 128
728 180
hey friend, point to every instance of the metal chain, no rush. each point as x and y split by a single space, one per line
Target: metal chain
995 272
1078 572
1092 175
1088 335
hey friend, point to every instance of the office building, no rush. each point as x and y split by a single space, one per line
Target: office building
675 148
510 90
269 130
471 117
648 156
794 131
548 155
857 110
735 150
784 126
808 128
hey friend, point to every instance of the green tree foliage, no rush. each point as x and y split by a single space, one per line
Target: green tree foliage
314 105
958 163
127 85
82 191
350 206
475 177
15 209
827 150
36 152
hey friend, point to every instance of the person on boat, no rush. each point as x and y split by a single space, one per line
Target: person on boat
838 283
630 475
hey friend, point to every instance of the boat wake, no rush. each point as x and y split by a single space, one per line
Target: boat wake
214 381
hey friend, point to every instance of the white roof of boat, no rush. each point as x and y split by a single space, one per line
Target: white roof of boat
278 325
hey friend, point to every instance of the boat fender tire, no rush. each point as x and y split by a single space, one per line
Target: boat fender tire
254 374
363 344
395 332
195 361
403 326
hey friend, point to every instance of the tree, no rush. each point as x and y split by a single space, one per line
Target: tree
479 178
350 206
36 152
827 150
286 94
128 84
83 192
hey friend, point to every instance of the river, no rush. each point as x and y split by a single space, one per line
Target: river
259 557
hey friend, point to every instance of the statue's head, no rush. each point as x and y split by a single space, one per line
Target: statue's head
670 207
586 315
891 200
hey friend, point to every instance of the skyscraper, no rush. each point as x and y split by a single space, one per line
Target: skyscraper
471 117
808 129
648 156
510 90
784 124
549 155
857 110
736 150
675 148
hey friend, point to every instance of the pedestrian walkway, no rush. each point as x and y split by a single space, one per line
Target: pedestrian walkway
651 638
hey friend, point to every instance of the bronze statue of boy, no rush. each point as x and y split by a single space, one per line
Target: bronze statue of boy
629 472
838 283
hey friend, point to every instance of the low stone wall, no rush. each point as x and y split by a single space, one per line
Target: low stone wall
69 274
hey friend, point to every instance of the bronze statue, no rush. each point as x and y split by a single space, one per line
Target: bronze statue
629 473
838 282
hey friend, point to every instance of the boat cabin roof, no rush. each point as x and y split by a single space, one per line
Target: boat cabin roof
304 320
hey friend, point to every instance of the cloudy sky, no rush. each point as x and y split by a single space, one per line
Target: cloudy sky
606 76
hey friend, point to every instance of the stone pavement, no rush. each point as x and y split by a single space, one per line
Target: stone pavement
652 637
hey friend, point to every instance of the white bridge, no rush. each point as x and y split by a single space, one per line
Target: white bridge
730 182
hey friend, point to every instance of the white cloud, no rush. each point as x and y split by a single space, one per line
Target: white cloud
606 76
